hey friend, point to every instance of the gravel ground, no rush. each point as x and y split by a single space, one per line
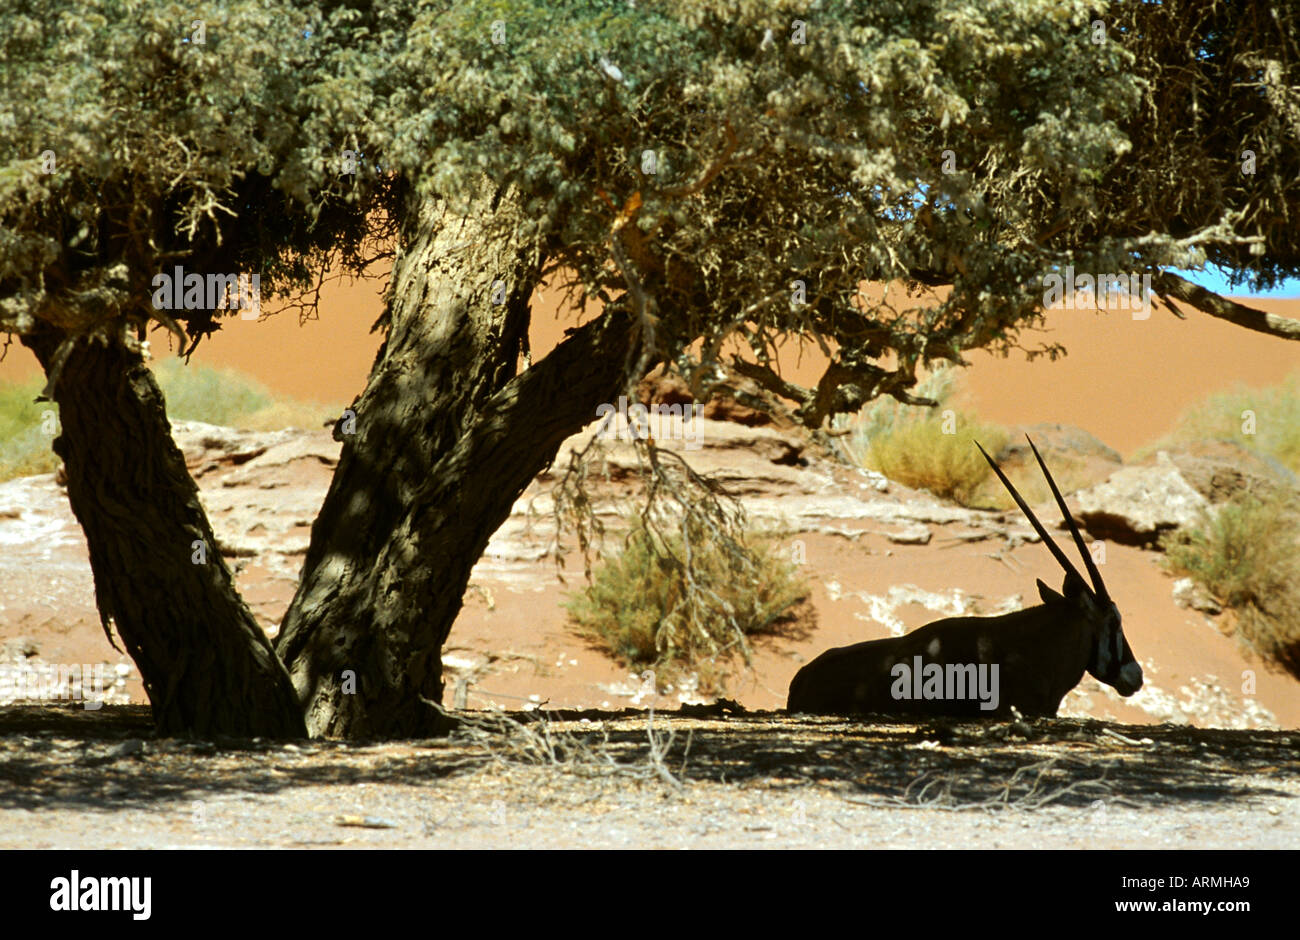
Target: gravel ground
700 778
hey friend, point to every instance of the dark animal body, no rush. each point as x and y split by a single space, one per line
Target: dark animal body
982 667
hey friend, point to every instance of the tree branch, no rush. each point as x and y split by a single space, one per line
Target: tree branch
1171 285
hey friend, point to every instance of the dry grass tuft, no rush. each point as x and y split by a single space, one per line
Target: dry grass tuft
1265 420
635 605
1246 554
924 448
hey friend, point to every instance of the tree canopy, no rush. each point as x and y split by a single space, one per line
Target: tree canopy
697 157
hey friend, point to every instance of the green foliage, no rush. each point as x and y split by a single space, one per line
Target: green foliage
925 448
916 142
775 160
213 396
921 141
1246 553
166 151
25 444
636 606
230 398
223 397
1275 424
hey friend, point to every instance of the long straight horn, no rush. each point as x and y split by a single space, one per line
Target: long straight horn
1097 583
1033 520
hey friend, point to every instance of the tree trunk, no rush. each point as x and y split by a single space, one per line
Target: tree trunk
207 666
446 438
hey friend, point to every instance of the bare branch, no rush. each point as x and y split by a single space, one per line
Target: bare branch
1171 285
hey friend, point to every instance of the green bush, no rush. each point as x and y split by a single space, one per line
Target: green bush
25 445
923 447
194 393
1245 553
213 396
1276 429
230 398
640 607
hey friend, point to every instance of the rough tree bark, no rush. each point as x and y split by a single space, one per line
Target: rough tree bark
446 438
207 666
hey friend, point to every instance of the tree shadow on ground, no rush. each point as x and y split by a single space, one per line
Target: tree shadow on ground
110 760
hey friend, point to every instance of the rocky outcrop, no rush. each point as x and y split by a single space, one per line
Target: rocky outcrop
1171 489
737 400
1225 470
1057 442
1076 458
1137 505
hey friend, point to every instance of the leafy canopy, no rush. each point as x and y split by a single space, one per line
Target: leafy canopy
720 168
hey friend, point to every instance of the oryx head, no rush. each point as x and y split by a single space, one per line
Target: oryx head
1110 661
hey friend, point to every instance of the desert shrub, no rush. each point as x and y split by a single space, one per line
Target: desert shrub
1276 431
925 448
230 398
194 393
25 444
882 415
636 603
1245 553
213 396
937 454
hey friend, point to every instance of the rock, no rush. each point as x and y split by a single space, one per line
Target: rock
780 450
911 535
734 453
126 749
1224 470
23 646
727 403
661 388
1056 442
877 481
1187 593
365 822
1076 458
1136 505
206 446
724 407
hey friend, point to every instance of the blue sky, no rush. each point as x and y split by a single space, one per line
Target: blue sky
1216 280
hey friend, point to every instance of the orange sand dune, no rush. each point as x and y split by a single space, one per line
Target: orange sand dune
1127 380
1124 380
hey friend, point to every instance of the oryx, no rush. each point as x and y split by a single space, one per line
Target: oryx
981 667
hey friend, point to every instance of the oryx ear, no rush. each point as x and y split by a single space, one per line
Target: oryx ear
1074 588
1048 595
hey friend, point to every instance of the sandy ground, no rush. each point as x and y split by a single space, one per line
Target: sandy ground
760 780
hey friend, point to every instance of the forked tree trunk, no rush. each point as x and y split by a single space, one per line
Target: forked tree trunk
207 666
446 438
